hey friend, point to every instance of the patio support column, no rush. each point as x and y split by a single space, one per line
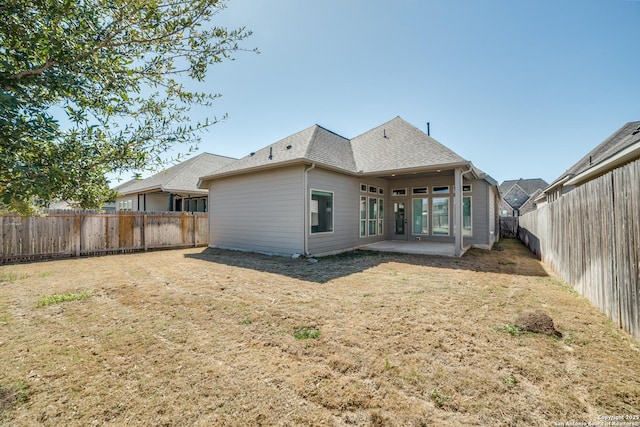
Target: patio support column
457 211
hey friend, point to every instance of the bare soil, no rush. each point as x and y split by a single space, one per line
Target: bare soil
220 338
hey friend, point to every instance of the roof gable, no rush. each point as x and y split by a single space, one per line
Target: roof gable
515 197
529 186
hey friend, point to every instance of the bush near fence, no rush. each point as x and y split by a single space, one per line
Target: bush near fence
591 238
75 233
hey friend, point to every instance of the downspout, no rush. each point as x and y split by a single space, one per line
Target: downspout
306 221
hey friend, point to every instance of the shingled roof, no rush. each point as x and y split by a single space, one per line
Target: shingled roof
393 146
314 144
529 186
181 178
623 138
397 145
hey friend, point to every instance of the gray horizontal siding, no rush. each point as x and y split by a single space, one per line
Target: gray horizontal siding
345 211
261 212
480 212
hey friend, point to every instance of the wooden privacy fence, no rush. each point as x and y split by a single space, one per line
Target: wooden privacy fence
76 233
591 238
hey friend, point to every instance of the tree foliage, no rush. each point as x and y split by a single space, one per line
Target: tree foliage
113 72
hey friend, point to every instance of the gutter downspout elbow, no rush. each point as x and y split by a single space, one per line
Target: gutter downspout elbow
307 214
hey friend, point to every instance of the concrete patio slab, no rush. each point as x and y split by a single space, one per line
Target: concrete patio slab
420 248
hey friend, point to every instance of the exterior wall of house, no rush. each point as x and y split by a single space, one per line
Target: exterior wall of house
493 217
346 211
481 208
259 212
153 202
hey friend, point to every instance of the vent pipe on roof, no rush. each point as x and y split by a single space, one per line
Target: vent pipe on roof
428 129
270 153
384 133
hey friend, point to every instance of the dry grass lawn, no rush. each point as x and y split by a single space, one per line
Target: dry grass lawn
209 337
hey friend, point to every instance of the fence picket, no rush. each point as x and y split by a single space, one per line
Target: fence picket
74 233
591 238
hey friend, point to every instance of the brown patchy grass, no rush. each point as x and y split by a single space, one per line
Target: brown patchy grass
208 337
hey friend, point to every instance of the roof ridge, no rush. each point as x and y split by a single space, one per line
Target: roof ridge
307 151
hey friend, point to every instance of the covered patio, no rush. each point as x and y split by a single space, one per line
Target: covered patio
414 247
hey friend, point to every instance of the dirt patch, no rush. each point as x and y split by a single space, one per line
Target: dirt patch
211 337
538 323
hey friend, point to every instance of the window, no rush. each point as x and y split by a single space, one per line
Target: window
380 190
321 211
373 189
363 188
380 216
420 216
441 190
125 205
363 216
373 215
420 190
399 192
467 229
440 219
466 188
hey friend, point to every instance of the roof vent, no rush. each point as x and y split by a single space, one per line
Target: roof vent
270 153
252 154
289 147
636 131
384 133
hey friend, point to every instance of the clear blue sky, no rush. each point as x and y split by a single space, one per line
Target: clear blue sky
523 89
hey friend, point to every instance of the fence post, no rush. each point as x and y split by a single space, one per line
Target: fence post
195 229
78 236
144 232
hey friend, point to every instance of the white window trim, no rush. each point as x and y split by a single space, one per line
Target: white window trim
413 190
471 214
433 199
436 194
413 225
333 208
372 220
380 217
366 214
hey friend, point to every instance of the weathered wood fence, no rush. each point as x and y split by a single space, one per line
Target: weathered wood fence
75 233
591 238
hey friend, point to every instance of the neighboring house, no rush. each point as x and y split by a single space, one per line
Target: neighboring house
316 192
619 149
519 196
173 189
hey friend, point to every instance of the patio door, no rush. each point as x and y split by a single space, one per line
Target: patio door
400 220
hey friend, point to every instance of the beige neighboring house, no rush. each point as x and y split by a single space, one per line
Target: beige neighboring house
619 149
318 193
173 189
